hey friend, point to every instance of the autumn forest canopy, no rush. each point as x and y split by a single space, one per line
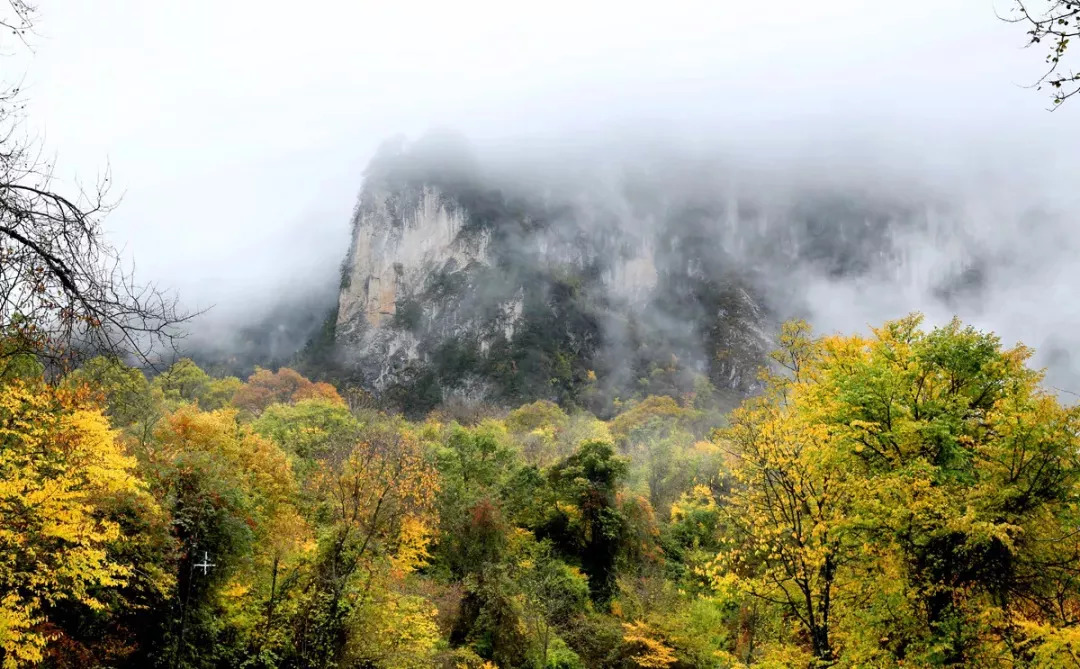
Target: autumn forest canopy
904 497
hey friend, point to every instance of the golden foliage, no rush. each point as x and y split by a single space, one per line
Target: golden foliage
888 486
60 465
395 631
640 414
652 653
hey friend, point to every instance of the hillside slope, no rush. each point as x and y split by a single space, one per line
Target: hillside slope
466 280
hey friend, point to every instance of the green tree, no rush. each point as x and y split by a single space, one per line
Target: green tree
313 431
589 480
184 381
538 427
126 393
895 495
553 593
473 464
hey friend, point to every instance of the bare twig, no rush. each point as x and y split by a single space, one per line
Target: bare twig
64 290
1054 27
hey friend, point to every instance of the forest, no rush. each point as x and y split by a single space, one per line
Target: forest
904 499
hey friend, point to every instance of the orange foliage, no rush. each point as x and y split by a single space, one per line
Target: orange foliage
286 386
318 391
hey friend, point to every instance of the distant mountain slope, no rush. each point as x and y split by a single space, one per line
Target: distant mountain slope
463 280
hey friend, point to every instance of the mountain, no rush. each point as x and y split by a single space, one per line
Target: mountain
643 275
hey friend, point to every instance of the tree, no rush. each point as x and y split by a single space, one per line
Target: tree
126 394
589 480
787 516
694 532
966 470
184 381
909 498
379 514
1053 26
63 288
61 471
539 427
490 619
312 430
652 653
393 631
230 495
264 388
472 464
552 592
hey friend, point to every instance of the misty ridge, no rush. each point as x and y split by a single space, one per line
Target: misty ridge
672 247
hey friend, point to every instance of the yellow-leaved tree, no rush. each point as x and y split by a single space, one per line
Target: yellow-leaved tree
232 496
378 502
60 472
787 515
651 653
907 499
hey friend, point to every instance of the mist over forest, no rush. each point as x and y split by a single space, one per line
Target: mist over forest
835 238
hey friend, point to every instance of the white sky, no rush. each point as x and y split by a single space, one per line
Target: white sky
238 130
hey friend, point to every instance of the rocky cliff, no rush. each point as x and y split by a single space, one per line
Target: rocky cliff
460 281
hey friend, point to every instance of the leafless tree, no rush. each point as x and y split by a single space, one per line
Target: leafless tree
64 290
1052 24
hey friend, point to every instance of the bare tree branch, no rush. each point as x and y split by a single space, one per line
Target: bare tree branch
64 290
1053 26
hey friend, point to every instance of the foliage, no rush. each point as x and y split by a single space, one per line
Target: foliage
587 482
377 514
408 314
264 388
61 473
183 382
897 495
228 492
646 413
904 499
1052 28
124 391
651 652
318 355
312 431
394 631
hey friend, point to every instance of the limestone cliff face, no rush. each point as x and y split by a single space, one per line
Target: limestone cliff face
454 286
419 275
461 291
399 238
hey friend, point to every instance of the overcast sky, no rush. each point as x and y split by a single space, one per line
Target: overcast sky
237 130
